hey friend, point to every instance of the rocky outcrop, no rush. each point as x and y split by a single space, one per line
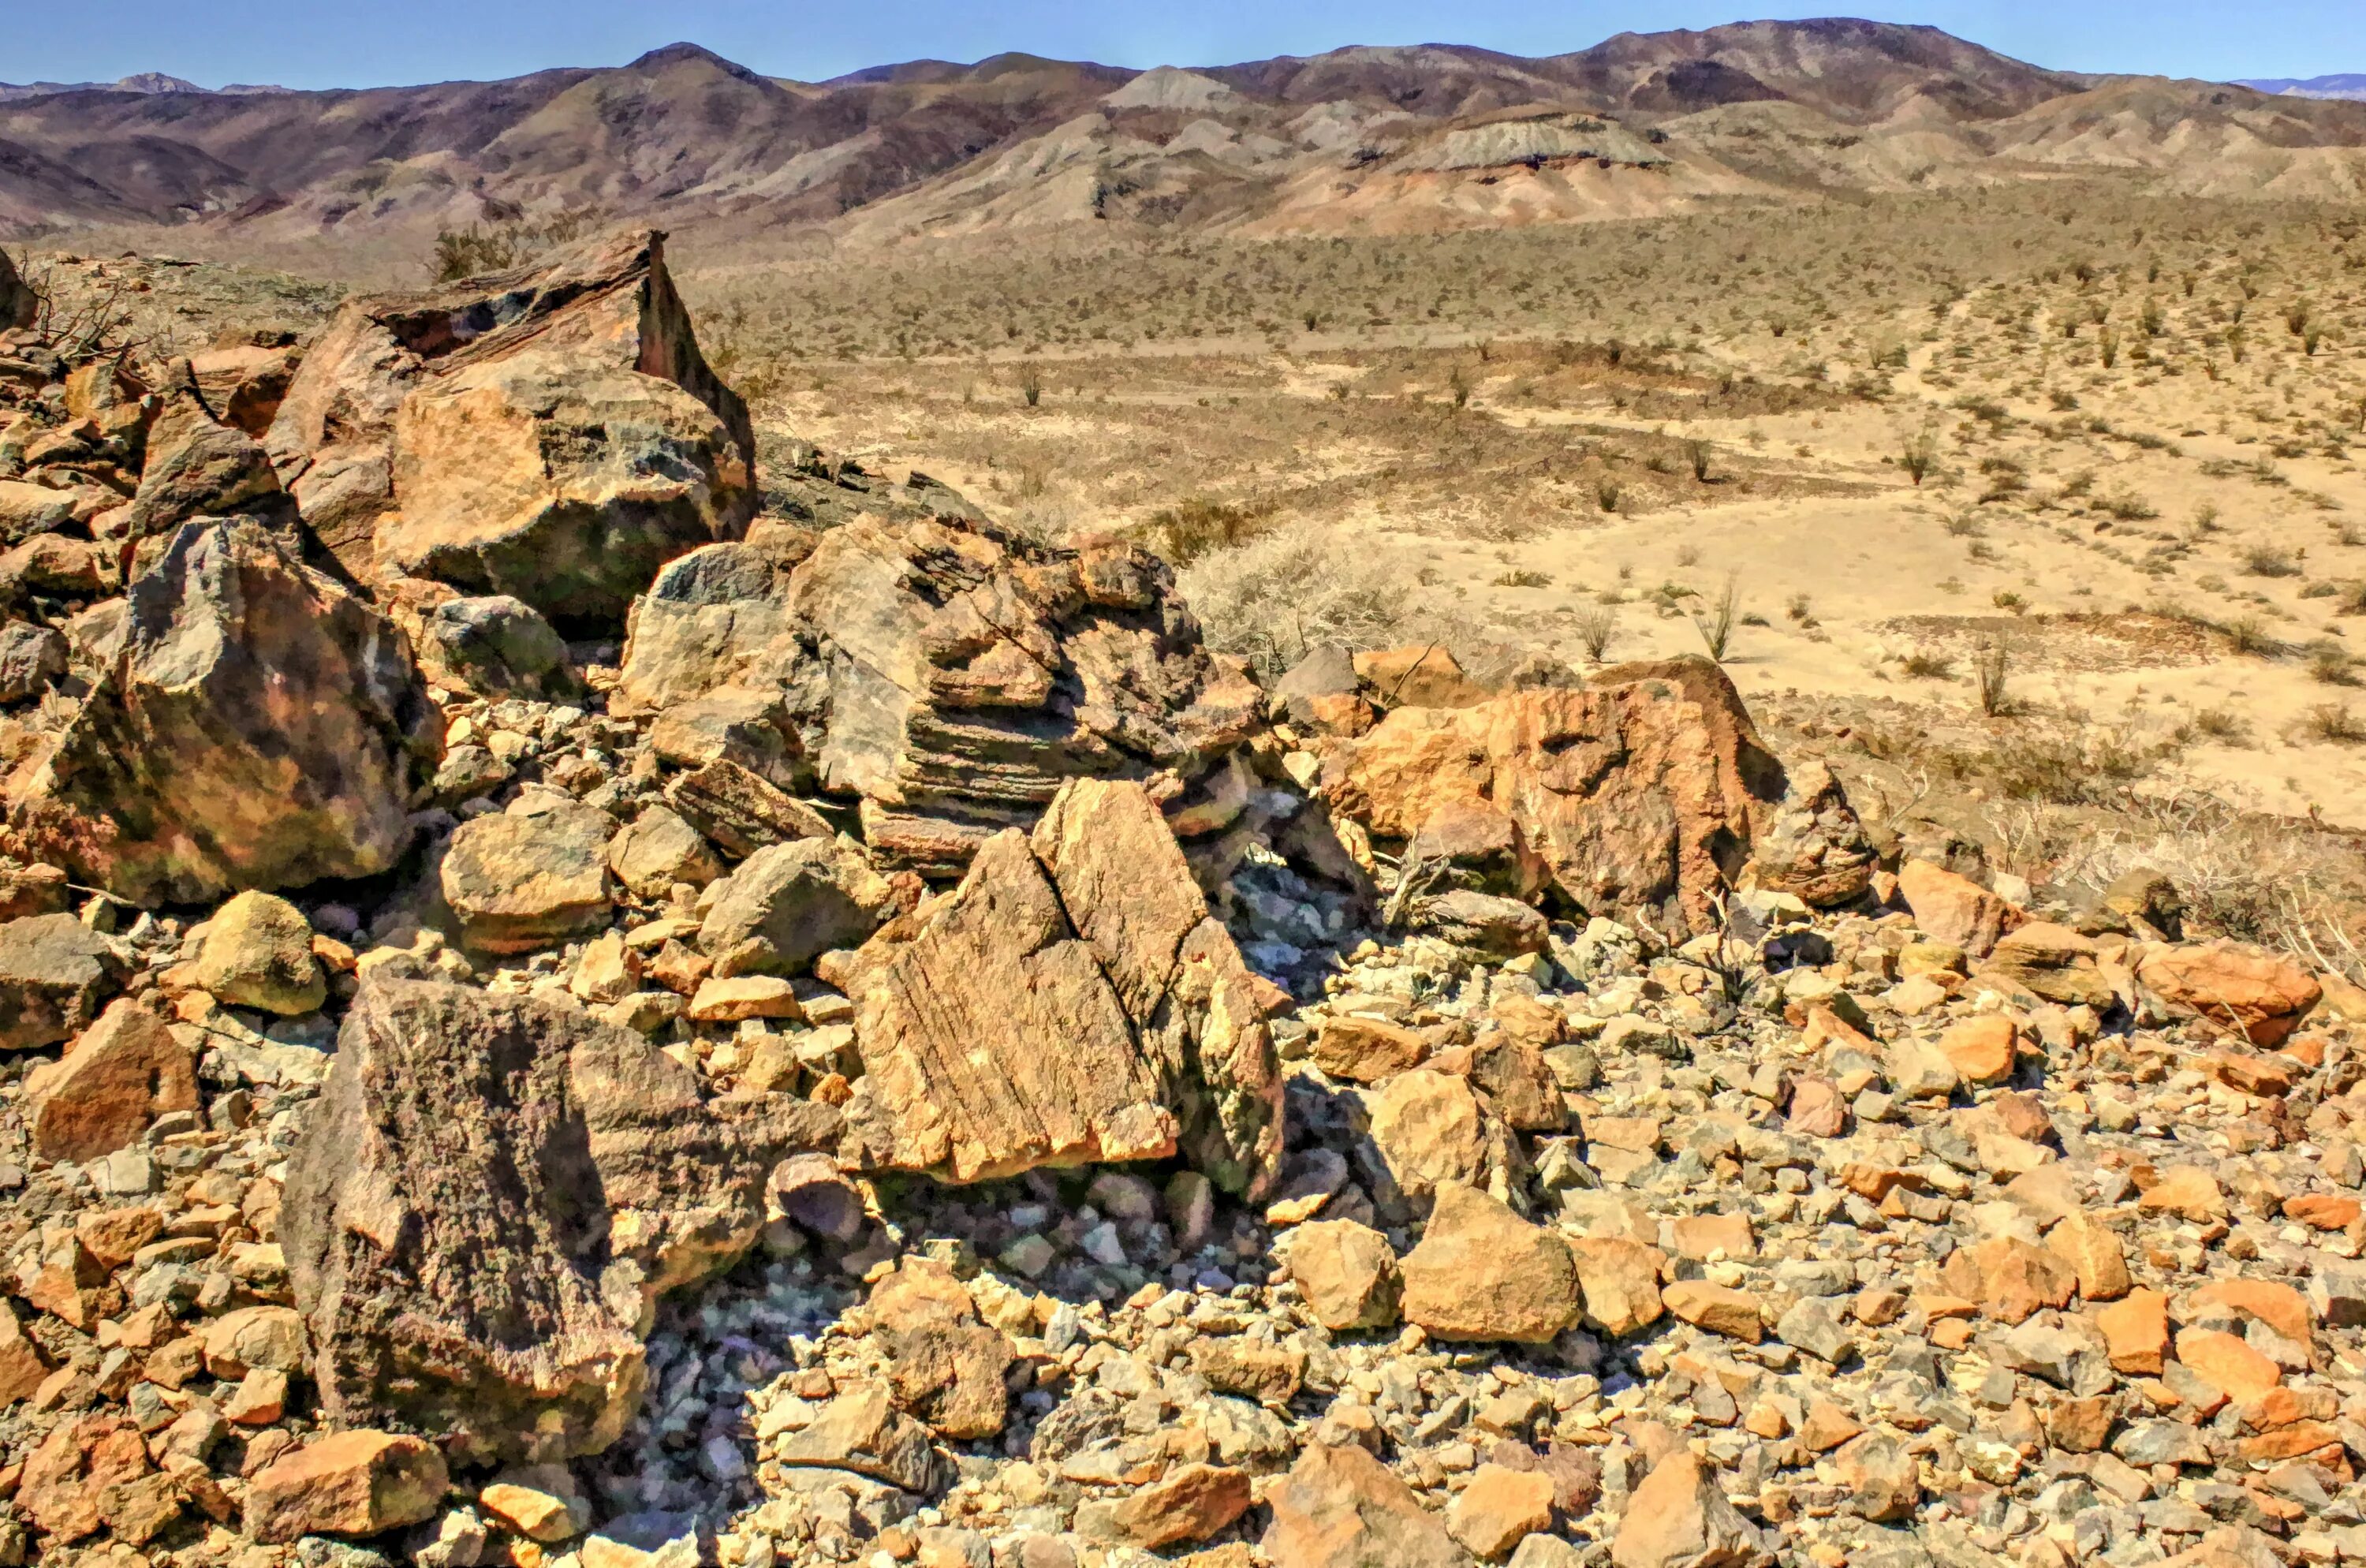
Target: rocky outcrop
1644 794
1070 1002
19 303
493 1193
551 432
257 727
949 674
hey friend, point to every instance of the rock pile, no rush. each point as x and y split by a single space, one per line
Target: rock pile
917 1062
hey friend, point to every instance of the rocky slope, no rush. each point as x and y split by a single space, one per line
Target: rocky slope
1417 137
884 1050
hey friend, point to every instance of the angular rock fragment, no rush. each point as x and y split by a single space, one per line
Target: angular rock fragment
551 432
1955 910
788 904
657 851
54 971
350 1483
1348 1273
944 1365
492 1194
257 727
257 952
2243 991
1481 1272
1339 1507
125 1071
862 1431
531 875
1070 1002
495 647
1679 1518
741 812
1642 793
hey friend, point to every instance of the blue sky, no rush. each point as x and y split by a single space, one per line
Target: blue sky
308 43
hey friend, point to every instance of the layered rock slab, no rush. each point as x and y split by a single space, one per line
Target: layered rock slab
487 1203
1070 1002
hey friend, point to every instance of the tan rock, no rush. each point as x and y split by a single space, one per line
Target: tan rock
125 1071
1365 1050
2009 1278
1625 792
23 1366
657 851
1733 1314
2093 1251
1955 910
1348 1273
2188 1192
257 952
1189 1503
55 973
1679 1518
2136 1332
1339 1507
1071 1003
350 1483
743 997
1619 1280
1429 1129
2244 990
944 1365
2280 1306
1499 1509
2051 962
1481 1272
531 875
1981 1049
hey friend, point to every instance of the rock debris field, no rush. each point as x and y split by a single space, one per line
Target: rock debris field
569 1004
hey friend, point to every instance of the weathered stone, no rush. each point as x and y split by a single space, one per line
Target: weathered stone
1811 845
657 850
1339 1507
1981 1049
1499 1508
257 727
1883 1479
198 468
742 812
450 1267
862 1431
495 647
19 305
1348 1273
965 673
1071 1003
32 657
257 952
1428 1127
1191 1501
1679 1518
550 432
256 1336
349 1483
710 617
788 904
1955 910
125 1071
531 875
54 972
1619 1280
2052 962
1733 1314
65 1482
2244 990
1627 792
1365 1050
2136 1332
1481 1272
944 1366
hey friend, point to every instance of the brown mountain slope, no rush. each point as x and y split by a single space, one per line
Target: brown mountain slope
1410 138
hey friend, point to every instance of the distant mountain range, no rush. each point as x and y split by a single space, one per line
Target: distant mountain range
2343 86
144 82
1411 138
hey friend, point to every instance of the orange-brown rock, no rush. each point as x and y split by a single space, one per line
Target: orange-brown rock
1365 1050
1955 910
2228 1364
1981 1049
1642 793
1071 1003
1191 1501
1339 1507
349 1483
2244 990
2278 1306
2136 1332
1679 1518
1481 1272
125 1071
2009 1278
1733 1314
551 432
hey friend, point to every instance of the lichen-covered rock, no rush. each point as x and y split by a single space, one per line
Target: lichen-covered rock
54 972
481 1215
257 727
526 877
257 952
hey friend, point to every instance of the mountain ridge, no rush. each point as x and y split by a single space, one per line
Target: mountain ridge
1371 137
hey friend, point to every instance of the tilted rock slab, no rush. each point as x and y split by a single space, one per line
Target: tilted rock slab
1643 794
1070 1002
487 1202
259 727
551 432
949 674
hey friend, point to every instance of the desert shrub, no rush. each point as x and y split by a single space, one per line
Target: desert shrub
1716 624
1930 664
2269 560
1993 669
478 249
1284 591
1522 578
2332 723
1192 528
1595 626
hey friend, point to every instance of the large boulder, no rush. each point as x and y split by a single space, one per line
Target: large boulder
198 466
488 1200
949 674
551 432
1643 794
1072 1002
256 727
